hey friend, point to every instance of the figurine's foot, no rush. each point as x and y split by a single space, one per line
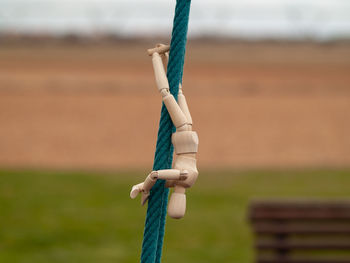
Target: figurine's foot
160 49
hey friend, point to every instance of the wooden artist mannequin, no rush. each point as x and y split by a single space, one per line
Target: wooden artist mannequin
184 171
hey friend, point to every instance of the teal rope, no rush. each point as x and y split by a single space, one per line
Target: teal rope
157 204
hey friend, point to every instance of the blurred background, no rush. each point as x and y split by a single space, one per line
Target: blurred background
268 86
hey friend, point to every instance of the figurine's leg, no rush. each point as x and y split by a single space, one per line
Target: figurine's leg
165 60
177 202
183 105
177 116
164 50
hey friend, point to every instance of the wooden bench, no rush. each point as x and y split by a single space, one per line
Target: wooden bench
301 232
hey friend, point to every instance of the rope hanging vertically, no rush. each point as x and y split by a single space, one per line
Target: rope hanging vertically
157 203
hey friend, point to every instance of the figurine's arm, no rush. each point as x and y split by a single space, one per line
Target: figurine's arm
177 116
171 174
145 187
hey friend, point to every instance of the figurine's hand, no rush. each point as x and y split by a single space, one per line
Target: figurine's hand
144 198
135 190
139 188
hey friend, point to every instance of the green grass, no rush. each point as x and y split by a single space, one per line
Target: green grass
85 217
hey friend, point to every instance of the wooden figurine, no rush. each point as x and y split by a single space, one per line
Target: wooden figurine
184 170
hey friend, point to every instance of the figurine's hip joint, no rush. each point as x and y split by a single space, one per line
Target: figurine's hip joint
185 142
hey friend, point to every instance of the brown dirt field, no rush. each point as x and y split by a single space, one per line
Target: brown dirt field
253 105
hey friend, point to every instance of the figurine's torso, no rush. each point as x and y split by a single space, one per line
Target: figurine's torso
186 146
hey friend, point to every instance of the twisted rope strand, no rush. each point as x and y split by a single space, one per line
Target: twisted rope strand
157 204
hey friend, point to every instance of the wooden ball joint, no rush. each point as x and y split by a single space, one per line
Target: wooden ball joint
184 170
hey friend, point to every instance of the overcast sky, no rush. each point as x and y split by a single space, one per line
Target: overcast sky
319 19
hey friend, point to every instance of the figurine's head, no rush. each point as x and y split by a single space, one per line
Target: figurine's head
177 205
